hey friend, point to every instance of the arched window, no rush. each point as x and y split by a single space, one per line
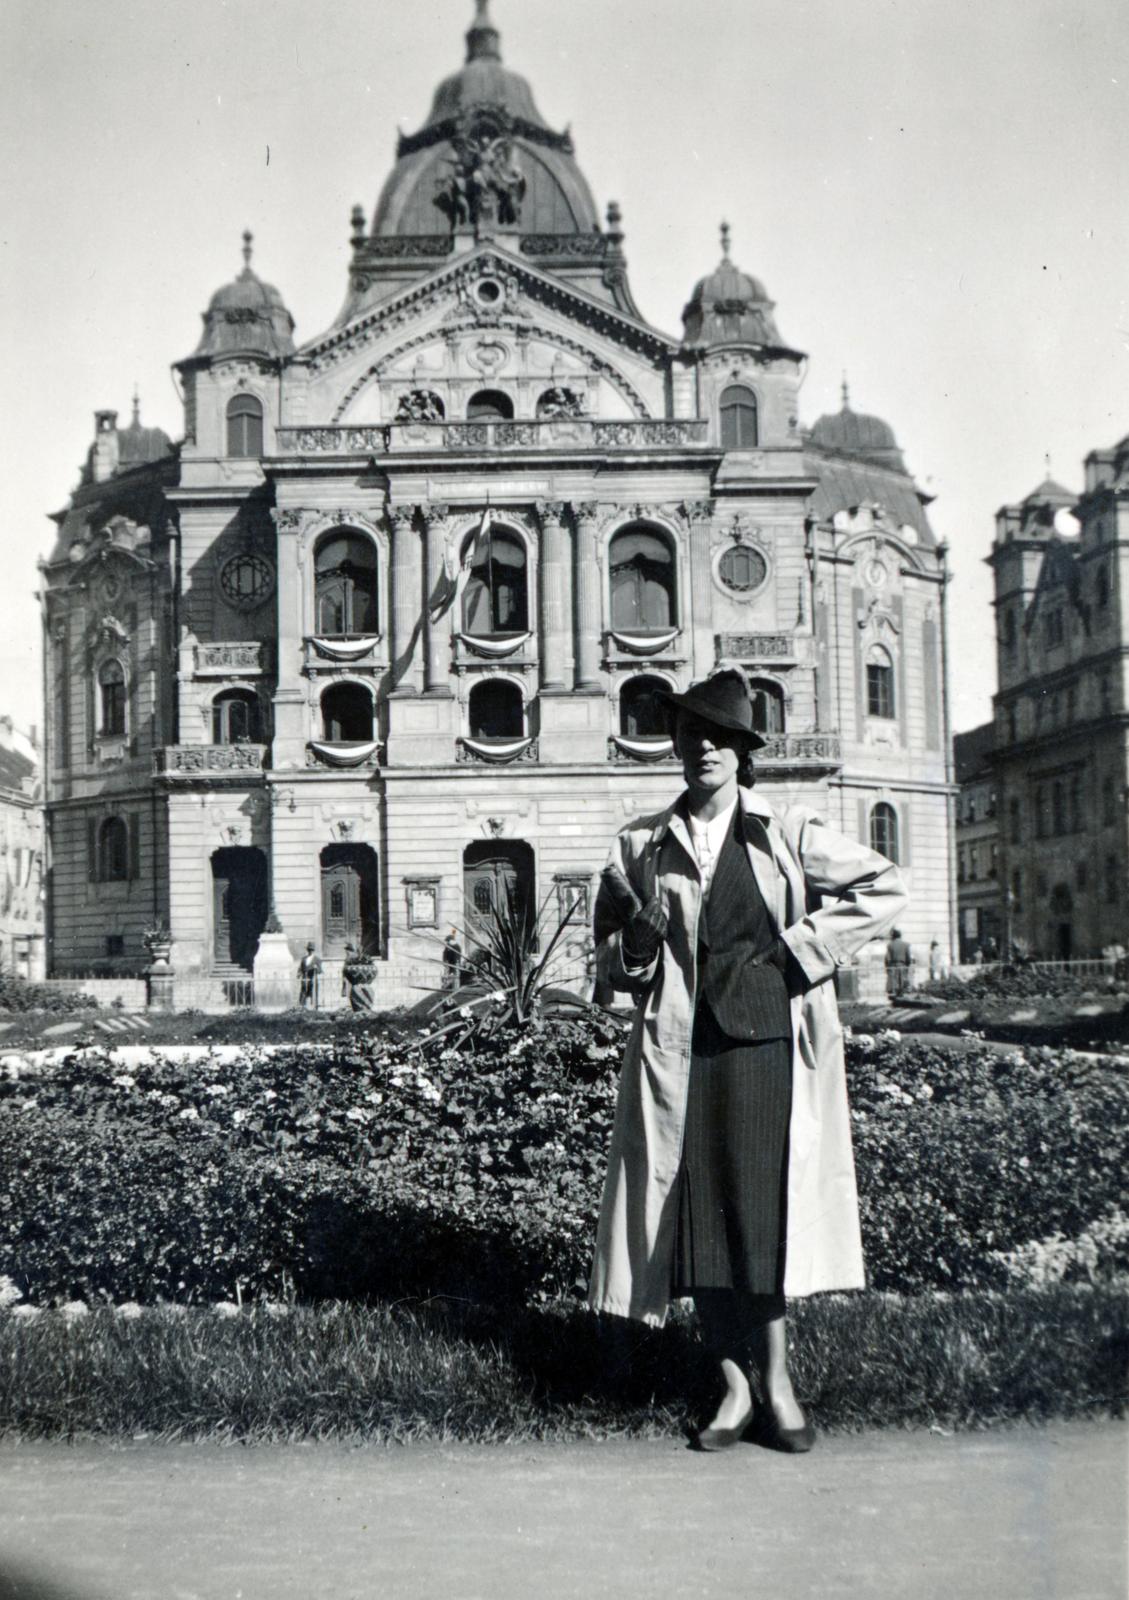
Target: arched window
244 426
738 418
768 705
111 693
345 585
489 405
884 831
235 717
642 714
346 712
879 682
496 710
495 600
641 565
113 851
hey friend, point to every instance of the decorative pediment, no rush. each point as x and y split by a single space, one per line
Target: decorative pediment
454 291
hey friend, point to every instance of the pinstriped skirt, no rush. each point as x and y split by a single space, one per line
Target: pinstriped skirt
732 1187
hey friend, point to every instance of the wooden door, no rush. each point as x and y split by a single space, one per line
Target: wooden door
340 906
491 873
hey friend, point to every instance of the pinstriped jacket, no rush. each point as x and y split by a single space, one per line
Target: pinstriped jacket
827 896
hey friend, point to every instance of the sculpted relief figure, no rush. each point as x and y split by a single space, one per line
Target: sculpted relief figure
484 184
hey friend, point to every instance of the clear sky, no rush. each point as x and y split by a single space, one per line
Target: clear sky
934 192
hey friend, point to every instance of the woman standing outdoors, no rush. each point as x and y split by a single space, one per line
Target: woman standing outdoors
730 1177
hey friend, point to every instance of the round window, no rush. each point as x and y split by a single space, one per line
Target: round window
742 569
488 291
246 580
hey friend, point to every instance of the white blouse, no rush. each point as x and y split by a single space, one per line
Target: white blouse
707 839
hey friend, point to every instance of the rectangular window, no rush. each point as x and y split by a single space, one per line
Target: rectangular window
879 689
115 944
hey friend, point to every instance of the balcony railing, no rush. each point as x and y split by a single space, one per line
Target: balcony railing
237 658
550 433
212 761
809 752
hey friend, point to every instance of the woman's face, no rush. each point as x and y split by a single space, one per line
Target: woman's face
710 755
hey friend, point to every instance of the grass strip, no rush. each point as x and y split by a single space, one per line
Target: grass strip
448 1372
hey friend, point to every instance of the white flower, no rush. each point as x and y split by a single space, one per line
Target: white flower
274 1308
129 1311
9 1294
375 1098
124 1081
74 1310
225 1308
189 1114
217 1089
269 1094
238 1116
27 1312
357 1114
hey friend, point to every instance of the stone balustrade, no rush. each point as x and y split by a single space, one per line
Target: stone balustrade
811 752
235 658
548 433
237 762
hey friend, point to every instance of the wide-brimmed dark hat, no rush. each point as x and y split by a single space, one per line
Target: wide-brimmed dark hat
722 700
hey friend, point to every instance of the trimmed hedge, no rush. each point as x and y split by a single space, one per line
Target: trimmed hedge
17 996
374 1167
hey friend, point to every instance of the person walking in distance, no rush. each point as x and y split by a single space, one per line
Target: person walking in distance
899 960
730 1178
309 978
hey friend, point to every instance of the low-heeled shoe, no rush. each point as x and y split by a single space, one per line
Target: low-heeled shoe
791 1441
712 1439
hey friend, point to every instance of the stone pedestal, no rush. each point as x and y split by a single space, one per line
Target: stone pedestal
274 974
160 981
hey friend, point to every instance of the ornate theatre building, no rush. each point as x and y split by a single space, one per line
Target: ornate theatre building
383 632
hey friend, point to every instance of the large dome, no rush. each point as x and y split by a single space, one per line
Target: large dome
485 156
247 317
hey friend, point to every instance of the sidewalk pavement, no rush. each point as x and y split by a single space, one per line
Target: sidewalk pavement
1014 1514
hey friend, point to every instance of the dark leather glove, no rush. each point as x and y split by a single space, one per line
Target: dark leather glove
644 933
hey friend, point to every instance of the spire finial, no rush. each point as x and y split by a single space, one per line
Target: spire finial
248 236
136 407
483 41
846 394
725 240
1047 464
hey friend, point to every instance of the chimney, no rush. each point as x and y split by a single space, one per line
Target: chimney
104 456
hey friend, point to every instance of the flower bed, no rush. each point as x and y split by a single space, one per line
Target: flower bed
373 1167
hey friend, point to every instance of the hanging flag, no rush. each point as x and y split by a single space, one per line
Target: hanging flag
453 579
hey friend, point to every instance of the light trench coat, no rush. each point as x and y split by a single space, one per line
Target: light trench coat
827 897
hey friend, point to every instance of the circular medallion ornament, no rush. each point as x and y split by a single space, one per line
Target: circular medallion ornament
876 574
742 569
110 588
247 580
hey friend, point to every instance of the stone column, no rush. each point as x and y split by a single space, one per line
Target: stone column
290 709
405 623
437 633
588 607
695 609
556 597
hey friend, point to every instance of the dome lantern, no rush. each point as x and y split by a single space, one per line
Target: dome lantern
729 307
246 317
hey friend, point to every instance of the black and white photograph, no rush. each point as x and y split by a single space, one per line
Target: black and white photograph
564 799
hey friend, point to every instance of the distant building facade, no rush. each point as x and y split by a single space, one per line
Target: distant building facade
1061 568
977 845
21 854
383 633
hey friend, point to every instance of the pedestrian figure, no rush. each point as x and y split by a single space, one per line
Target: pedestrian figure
899 961
309 977
730 1177
452 961
936 960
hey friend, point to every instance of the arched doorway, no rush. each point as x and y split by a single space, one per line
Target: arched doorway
240 905
350 899
494 869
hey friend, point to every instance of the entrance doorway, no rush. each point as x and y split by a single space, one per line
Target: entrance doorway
492 870
240 906
349 899
1062 911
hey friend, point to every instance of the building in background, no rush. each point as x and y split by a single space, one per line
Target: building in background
383 634
21 853
977 845
1061 566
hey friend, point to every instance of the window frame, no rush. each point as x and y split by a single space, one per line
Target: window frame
494 587
347 574
358 691
881 696
243 409
632 577
113 700
632 690
222 705
735 409
504 688
113 850
884 829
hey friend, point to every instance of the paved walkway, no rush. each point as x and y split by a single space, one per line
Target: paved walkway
1015 1514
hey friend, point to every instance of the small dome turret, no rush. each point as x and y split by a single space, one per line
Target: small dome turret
729 307
247 317
118 450
854 433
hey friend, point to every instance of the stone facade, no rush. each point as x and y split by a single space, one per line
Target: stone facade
21 854
1061 565
979 890
390 617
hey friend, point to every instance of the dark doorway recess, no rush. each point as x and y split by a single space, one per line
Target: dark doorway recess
240 905
350 899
